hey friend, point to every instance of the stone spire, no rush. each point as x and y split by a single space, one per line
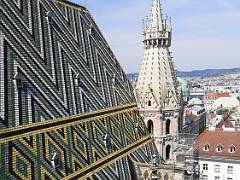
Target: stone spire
157 73
156 89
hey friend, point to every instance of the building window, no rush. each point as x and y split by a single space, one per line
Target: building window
205 167
205 177
206 147
232 149
216 178
230 170
217 168
219 148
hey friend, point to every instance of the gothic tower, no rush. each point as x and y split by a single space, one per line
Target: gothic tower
156 89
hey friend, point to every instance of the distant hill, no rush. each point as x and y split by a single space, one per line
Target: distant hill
207 72
132 76
197 73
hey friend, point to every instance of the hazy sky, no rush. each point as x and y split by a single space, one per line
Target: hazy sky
206 33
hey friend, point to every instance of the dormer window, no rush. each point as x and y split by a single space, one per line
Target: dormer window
55 161
219 148
232 149
206 147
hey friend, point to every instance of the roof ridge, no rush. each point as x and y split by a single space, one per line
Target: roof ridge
75 5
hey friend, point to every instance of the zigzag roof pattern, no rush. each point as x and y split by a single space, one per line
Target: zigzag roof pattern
67 109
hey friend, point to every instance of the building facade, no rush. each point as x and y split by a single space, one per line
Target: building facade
219 168
156 90
210 98
194 119
218 154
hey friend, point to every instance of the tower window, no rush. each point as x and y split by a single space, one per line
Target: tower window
149 103
150 126
168 123
168 152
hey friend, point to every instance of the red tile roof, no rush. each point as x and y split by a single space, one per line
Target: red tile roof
214 96
225 122
214 138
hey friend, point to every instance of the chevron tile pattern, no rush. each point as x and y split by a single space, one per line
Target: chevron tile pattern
59 82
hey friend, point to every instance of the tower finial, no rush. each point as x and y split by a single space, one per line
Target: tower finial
156 22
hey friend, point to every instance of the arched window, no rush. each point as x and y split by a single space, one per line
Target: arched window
232 149
219 148
149 103
206 147
168 151
150 126
166 177
168 123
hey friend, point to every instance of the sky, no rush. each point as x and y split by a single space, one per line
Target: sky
206 33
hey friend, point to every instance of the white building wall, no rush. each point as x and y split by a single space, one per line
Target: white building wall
208 104
223 173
